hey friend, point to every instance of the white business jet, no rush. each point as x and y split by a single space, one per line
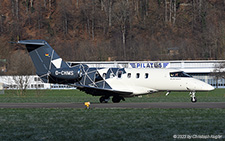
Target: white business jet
118 83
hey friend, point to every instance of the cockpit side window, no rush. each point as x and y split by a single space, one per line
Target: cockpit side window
179 74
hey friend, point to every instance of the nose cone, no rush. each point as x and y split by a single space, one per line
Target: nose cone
201 86
209 88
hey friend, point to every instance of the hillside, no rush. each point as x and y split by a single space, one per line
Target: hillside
117 30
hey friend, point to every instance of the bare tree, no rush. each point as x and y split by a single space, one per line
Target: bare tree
174 12
219 72
50 4
22 82
4 49
122 16
166 16
110 12
120 25
64 17
20 63
17 9
172 4
21 67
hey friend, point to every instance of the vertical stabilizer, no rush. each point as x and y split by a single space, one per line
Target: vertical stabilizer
43 57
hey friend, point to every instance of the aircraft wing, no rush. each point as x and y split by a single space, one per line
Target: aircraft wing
100 91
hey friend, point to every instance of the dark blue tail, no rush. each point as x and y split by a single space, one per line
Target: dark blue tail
44 57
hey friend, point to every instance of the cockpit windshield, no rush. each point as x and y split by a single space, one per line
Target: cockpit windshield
179 74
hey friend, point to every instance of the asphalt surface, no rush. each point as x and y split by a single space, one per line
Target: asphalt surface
163 105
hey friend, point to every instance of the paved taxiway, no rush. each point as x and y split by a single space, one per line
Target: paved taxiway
164 105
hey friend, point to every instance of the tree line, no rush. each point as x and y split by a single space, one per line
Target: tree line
100 30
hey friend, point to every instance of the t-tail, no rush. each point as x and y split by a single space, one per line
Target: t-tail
49 66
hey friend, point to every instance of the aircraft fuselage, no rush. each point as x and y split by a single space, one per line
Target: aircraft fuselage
144 81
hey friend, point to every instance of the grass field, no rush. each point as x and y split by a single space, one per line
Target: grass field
70 96
109 124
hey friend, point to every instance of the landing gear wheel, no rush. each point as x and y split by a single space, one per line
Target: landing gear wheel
193 99
104 99
117 99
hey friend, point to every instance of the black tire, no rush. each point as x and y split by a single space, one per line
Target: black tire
193 99
102 100
116 99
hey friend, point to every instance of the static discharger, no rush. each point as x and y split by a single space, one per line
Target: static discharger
87 104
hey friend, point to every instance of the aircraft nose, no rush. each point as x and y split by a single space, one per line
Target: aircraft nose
203 86
208 87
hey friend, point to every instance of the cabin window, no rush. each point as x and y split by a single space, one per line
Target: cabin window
129 75
137 75
120 74
179 74
146 75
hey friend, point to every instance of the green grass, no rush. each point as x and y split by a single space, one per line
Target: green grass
109 124
71 96
46 96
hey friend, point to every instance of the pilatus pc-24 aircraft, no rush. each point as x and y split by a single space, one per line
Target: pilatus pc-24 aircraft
118 83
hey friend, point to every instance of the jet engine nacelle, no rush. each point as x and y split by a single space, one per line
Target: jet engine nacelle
67 73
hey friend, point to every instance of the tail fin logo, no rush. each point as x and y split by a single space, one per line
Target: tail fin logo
57 62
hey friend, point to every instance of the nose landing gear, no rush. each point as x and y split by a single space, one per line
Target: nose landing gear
193 98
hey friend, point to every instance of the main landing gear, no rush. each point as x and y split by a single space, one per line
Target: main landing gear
104 99
193 98
115 99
